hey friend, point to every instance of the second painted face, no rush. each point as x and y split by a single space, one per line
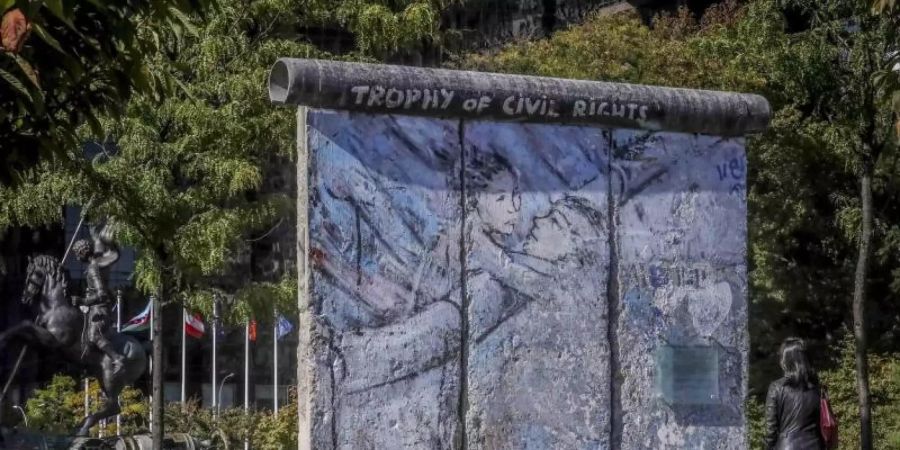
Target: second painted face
499 204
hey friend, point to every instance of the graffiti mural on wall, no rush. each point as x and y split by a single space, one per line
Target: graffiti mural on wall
385 205
536 264
682 282
458 261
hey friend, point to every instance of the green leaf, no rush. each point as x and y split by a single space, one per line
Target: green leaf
883 6
185 21
48 38
12 80
28 70
57 8
141 78
184 89
96 127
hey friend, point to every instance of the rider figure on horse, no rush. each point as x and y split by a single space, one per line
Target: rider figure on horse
99 256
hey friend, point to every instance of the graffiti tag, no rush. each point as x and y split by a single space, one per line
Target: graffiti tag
439 99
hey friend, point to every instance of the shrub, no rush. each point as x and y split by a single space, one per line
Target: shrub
59 407
265 430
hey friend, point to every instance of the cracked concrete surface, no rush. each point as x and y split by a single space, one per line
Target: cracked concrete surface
490 285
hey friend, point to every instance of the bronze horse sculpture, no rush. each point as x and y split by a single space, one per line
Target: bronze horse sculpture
60 327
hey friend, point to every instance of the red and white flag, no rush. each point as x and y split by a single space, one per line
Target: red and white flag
193 326
251 331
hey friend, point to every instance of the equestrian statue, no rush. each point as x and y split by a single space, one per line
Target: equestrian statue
97 299
116 359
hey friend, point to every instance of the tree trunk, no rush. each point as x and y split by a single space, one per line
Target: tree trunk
548 17
157 428
859 310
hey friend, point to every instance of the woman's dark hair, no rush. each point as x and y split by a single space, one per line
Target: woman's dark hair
797 369
482 167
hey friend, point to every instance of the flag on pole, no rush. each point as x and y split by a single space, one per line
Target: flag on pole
251 331
283 327
140 322
193 326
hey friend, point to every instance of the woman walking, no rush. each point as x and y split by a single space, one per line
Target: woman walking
792 404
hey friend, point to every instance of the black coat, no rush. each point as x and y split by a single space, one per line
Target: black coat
792 418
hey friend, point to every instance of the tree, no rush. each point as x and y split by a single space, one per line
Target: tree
65 64
861 115
182 173
379 28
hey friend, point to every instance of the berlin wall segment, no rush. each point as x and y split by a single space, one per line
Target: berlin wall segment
384 207
491 284
537 261
683 291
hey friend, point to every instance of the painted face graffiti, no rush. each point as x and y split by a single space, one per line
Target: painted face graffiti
499 207
498 201
573 224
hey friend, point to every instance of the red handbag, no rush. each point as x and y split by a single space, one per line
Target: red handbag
827 422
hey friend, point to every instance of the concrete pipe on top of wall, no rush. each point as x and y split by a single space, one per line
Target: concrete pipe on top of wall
379 88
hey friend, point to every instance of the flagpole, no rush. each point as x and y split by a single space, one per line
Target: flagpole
183 357
275 371
152 337
118 330
87 397
215 325
247 378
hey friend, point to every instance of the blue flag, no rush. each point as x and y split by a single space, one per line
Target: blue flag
282 327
